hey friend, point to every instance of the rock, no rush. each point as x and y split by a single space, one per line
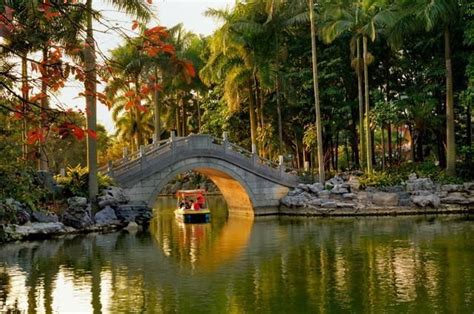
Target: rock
452 188
354 183
364 198
314 202
137 212
46 179
316 187
420 184
295 192
132 227
426 200
112 195
324 194
303 187
468 186
412 177
328 204
78 217
394 189
45 217
77 201
455 198
385 199
35 229
345 205
349 196
105 216
405 202
339 189
19 211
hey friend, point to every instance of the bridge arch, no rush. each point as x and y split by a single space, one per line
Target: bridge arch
250 184
236 192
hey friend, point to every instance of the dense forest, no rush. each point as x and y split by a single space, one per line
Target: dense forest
341 85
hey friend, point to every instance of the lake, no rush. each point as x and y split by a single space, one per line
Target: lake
419 264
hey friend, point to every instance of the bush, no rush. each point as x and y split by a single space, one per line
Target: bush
397 175
22 184
76 180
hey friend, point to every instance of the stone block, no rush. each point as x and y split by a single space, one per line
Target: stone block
385 199
324 194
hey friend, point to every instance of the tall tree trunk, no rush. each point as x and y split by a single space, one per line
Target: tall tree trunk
90 85
367 109
389 140
253 120
468 131
383 147
355 138
185 117
450 140
280 125
316 94
363 152
25 95
138 116
157 116
43 159
198 108
177 118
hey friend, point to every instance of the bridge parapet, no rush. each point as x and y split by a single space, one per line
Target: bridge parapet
197 145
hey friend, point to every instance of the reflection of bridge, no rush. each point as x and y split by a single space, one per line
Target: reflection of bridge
249 183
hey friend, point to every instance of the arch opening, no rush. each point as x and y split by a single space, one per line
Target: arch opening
236 194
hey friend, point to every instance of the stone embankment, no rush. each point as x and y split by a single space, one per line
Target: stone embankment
344 197
115 213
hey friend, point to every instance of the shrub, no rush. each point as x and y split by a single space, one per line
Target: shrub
22 184
76 180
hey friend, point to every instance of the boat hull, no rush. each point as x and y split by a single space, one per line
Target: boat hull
193 216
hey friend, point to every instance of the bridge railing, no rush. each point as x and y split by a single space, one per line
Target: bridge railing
137 160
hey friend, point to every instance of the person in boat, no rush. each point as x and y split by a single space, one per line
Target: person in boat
201 201
195 205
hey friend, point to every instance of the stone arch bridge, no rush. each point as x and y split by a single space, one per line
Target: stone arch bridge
250 184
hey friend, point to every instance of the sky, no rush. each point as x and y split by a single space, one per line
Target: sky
168 13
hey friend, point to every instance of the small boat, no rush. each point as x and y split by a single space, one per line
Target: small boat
191 206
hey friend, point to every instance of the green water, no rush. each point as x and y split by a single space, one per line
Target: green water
270 265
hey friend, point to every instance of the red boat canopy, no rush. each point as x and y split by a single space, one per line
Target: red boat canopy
183 193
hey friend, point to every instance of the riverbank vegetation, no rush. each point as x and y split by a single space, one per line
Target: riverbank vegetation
385 87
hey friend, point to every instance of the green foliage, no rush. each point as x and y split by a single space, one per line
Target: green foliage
397 175
21 184
76 180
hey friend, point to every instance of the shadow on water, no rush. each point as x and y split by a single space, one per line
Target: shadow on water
271 264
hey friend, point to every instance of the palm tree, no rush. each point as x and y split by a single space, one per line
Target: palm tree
362 18
319 132
134 7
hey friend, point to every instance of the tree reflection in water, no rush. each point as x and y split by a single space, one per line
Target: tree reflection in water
391 264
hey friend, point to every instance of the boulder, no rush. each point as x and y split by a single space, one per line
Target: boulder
456 198
77 201
328 204
468 186
138 212
364 198
452 188
346 205
339 189
385 199
424 200
324 194
420 184
78 217
303 187
314 202
44 217
295 192
32 230
349 196
105 216
19 210
112 196
354 183
316 187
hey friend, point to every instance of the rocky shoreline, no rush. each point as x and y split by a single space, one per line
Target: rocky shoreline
343 196
115 213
